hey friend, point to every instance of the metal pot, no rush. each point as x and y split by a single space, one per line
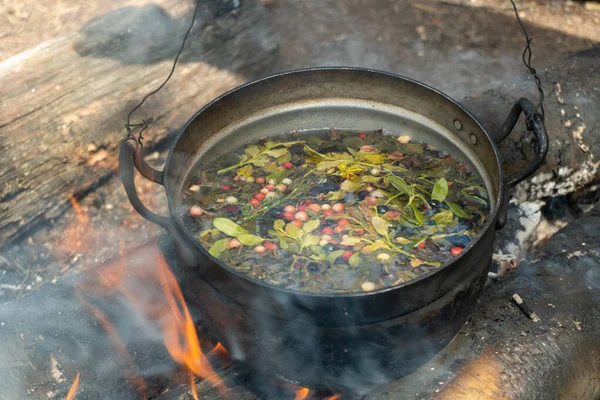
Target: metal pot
339 342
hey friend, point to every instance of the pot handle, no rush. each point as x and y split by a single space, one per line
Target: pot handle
535 123
128 158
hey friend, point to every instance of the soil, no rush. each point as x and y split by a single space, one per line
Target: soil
461 47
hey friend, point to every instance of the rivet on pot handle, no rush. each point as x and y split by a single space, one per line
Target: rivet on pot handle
128 158
535 123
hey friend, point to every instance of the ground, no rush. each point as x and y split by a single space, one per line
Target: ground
461 47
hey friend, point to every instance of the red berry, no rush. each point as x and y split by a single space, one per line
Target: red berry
359 232
347 254
289 208
421 245
254 202
288 215
307 201
338 207
270 246
339 229
260 180
371 201
196 211
456 251
327 213
298 223
301 215
233 243
236 178
288 165
301 208
333 241
327 230
259 196
270 186
314 207
225 187
362 135
343 222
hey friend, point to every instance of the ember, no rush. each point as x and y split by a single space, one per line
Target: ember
73 389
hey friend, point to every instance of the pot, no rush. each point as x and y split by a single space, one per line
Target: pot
339 342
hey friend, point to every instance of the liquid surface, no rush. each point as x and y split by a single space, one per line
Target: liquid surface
335 211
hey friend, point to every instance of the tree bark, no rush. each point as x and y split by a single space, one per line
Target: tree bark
67 99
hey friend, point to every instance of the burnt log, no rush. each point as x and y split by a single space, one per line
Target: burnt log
572 106
66 100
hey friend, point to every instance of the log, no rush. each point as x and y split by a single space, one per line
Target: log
66 100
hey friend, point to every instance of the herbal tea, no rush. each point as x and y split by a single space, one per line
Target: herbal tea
335 211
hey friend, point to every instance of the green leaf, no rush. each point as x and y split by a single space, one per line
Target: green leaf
351 241
218 247
377 245
370 178
380 225
311 225
443 218
249 240
260 161
277 153
354 260
338 195
414 148
341 156
324 165
279 175
350 186
399 184
310 240
245 171
278 225
440 190
373 158
402 240
283 243
252 151
417 213
334 255
293 231
228 227
456 209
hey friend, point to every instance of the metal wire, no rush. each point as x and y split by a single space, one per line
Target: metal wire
527 62
146 122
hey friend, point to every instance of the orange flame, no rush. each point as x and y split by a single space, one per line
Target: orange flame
335 397
73 389
151 288
302 393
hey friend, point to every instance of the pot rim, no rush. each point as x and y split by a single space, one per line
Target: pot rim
490 223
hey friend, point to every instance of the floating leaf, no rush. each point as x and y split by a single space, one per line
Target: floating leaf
341 156
443 218
207 233
350 186
249 240
440 190
310 240
334 255
414 148
391 215
351 241
293 231
278 225
456 209
252 151
228 227
370 178
324 165
399 184
218 247
283 243
260 161
377 245
279 175
380 225
311 225
337 195
416 262
418 215
245 171
373 158
402 240
354 260
277 153
242 159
